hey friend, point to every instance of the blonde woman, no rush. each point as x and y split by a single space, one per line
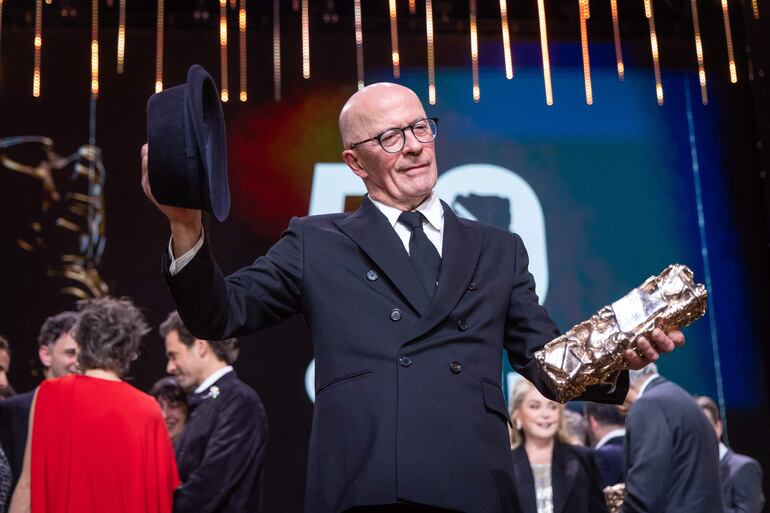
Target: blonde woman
552 476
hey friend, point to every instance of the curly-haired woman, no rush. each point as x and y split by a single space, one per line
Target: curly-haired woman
97 444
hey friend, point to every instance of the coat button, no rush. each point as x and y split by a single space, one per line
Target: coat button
404 361
473 286
372 275
455 367
462 325
395 315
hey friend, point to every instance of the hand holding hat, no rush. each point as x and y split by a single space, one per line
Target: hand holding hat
185 222
184 166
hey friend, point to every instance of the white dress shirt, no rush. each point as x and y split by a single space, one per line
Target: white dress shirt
433 225
213 378
177 264
644 385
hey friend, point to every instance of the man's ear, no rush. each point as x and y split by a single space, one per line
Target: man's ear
44 353
354 163
718 428
201 347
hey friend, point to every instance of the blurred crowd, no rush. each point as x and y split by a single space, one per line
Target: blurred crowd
197 441
661 451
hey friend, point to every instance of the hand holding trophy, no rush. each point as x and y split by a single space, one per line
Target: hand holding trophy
592 352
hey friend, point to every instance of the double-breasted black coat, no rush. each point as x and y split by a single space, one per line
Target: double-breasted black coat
409 405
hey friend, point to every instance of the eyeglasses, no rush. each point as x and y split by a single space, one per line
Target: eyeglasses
392 140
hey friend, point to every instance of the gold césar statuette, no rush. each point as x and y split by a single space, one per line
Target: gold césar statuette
614 496
591 353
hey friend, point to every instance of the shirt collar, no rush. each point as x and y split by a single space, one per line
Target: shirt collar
213 378
609 436
431 208
646 383
722 451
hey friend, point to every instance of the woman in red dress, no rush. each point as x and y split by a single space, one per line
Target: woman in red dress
96 443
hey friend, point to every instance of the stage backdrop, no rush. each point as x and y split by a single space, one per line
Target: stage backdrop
603 195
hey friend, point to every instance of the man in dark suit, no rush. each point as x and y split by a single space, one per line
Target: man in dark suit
741 475
409 308
605 426
221 451
58 353
671 453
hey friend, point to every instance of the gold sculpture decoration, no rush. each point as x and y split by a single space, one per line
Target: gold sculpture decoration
614 496
592 352
69 226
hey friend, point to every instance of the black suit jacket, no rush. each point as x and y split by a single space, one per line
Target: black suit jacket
609 461
408 399
672 454
220 453
575 481
14 425
741 483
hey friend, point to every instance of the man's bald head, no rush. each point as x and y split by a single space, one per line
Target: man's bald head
401 178
362 110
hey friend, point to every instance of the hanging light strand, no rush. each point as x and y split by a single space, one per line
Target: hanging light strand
121 35
159 40
305 40
277 50
616 35
699 51
431 52
394 39
584 15
359 43
506 39
242 47
654 48
729 40
38 47
755 8
474 52
223 90
412 6
1 28
94 49
544 51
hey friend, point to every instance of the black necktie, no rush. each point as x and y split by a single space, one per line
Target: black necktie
422 251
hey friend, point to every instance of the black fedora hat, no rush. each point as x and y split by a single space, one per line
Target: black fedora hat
187 159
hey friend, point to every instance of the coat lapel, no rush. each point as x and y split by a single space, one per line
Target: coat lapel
460 253
564 468
525 482
371 231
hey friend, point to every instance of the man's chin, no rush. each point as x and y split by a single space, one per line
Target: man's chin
187 386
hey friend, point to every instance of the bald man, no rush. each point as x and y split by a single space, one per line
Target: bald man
409 308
